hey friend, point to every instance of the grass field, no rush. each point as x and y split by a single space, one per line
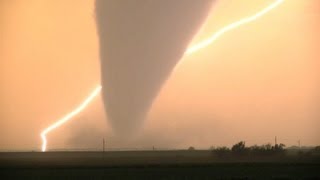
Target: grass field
154 165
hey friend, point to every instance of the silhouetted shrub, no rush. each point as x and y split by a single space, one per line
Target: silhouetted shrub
267 149
221 151
239 148
258 150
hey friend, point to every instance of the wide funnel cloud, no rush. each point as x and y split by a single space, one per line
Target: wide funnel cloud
141 41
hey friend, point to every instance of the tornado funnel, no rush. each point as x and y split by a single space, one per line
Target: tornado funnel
141 41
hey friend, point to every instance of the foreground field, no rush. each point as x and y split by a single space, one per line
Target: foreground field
153 165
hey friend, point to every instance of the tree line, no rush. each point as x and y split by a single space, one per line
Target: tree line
240 148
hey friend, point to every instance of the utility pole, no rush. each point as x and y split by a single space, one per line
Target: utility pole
275 141
103 144
299 144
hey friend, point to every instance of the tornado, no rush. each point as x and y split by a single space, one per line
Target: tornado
140 43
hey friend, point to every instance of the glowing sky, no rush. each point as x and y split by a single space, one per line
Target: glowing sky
254 83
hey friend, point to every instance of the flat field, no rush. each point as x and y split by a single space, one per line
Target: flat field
196 164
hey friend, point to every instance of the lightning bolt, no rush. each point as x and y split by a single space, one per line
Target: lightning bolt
189 51
234 25
66 118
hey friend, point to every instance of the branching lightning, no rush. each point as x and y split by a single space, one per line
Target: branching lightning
189 51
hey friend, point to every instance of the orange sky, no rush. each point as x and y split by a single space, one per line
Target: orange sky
255 82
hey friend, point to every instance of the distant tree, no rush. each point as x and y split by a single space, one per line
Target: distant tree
267 147
191 148
278 149
317 149
240 147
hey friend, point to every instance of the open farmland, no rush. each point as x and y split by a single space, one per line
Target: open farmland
196 164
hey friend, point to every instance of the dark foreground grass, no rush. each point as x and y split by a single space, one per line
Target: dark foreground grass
154 165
